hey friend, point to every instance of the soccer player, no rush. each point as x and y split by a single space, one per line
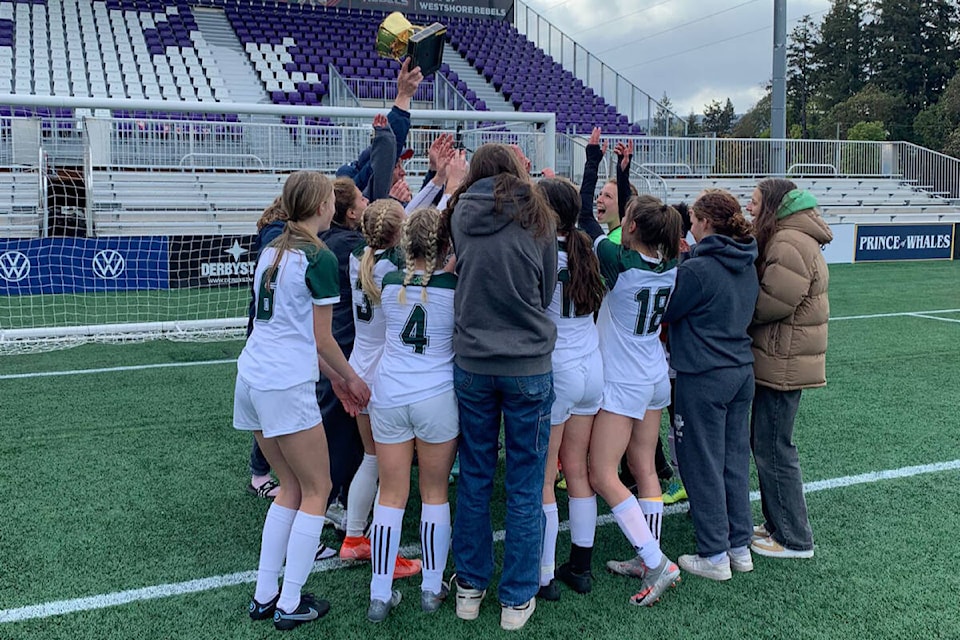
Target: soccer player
414 404
578 384
296 285
640 275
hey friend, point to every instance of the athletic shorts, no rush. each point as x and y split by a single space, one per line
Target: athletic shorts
579 389
634 400
277 412
433 420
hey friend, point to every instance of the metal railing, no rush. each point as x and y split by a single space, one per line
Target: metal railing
638 105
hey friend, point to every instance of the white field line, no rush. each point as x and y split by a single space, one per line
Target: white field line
140 367
105 600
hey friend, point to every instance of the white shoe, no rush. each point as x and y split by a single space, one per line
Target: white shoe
513 618
742 563
468 601
700 566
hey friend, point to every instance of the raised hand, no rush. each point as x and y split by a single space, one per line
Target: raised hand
380 121
401 191
408 80
625 153
456 170
549 173
438 149
595 139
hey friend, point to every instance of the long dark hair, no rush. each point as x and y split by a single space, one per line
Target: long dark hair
658 225
512 185
586 286
772 192
723 211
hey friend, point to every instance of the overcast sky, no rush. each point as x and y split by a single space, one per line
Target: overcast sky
694 50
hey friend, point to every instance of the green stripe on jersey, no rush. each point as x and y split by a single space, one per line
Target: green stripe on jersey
437 281
322 274
393 254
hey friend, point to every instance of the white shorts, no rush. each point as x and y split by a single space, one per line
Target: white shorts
634 400
277 412
578 389
433 420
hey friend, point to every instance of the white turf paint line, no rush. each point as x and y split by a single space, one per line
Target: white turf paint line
140 367
103 601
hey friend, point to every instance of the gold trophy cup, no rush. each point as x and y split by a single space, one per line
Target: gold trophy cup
397 38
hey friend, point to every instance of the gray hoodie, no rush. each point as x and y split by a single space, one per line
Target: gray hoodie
712 306
506 279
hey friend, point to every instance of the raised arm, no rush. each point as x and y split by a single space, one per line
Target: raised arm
383 157
588 187
625 154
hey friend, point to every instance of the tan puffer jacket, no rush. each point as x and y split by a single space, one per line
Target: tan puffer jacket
789 327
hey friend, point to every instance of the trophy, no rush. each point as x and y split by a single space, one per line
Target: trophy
396 38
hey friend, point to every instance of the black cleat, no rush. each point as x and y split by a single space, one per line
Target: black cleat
549 592
579 582
310 609
263 611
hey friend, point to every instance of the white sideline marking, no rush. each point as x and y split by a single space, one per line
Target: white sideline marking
140 367
895 315
105 600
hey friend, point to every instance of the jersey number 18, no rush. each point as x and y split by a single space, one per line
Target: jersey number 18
648 321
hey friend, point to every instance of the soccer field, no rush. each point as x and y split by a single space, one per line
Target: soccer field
125 515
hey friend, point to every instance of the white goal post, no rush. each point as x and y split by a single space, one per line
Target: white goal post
144 225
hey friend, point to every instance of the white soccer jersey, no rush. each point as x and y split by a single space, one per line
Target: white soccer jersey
576 334
368 318
417 361
282 350
630 318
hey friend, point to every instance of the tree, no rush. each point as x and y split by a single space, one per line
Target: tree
917 48
665 121
755 123
718 119
867 131
842 54
693 124
934 125
801 68
869 105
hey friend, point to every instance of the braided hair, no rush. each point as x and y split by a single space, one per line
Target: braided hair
380 225
422 236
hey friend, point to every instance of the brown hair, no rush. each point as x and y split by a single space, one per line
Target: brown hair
272 213
723 212
345 191
512 185
304 193
423 235
658 225
586 286
380 225
772 192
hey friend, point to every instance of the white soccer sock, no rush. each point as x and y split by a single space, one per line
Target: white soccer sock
273 548
301 551
548 555
653 513
384 545
630 518
583 520
435 544
363 489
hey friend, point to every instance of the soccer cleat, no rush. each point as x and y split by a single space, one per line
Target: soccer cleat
633 568
468 601
741 563
310 609
430 601
675 492
405 568
772 549
579 582
513 618
549 591
324 552
355 548
380 609
655 581
760 531
336 515
263 611
700 566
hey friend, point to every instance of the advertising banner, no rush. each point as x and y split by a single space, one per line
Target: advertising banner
881 242
956 241
491 9
82 265
211 261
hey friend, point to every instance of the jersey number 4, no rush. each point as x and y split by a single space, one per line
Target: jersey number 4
648 320
414 331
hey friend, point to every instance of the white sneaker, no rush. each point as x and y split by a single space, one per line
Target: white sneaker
742 563
513 618
700 566
468 601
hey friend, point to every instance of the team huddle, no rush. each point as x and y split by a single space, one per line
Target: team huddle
494 311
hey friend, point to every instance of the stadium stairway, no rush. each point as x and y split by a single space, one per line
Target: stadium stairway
242 82
475 81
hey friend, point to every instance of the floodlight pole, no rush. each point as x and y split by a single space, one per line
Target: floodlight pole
778 110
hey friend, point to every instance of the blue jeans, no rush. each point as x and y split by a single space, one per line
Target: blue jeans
524 402
778 467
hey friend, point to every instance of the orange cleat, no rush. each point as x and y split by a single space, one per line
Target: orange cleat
355 548
406 567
